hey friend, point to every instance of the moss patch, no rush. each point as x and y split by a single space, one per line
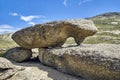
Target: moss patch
2 53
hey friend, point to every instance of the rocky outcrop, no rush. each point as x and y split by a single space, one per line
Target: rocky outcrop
7 69
87 62
30 71
92 62
54 34
18 54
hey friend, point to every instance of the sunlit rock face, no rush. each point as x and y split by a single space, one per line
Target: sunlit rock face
54 34
92 62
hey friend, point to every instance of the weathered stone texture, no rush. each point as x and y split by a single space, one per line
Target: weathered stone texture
54 34
7 69
93 62
18 54
30 71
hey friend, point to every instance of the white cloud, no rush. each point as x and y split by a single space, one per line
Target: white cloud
31 23
14 14
84 1
65 3
28 18
31 17
7 28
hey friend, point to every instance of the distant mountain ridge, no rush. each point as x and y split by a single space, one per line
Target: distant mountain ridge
108 25
6 41
107 15
6 36
110 18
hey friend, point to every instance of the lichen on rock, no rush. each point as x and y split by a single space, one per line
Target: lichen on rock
54 34
84 61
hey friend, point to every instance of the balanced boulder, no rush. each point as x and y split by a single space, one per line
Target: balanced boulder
54 34
18 54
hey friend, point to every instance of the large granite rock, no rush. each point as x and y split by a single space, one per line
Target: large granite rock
54 34
92 62
18 54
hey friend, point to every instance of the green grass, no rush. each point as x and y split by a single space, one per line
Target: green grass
105 24
104 27
108 34
105 37
2 53
102 39
70 41
98 39
6 44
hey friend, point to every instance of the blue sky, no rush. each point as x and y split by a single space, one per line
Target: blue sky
17 14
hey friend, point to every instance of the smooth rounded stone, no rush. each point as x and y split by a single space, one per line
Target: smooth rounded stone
54 34
18 54
92 62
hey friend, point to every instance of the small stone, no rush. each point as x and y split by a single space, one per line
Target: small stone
18 54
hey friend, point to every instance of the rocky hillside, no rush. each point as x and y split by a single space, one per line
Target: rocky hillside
6 41
108 25
110 15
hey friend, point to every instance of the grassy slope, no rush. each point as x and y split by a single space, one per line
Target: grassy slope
102 36
106 29
6 43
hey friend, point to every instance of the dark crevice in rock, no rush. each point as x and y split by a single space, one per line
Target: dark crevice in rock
9 77
4 69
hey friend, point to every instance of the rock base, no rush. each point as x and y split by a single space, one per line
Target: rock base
30 71
92 62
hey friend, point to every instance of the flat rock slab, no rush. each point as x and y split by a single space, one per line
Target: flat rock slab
37 71
92 62
7 69
30 71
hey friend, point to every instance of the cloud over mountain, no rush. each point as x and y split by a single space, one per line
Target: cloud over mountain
7 28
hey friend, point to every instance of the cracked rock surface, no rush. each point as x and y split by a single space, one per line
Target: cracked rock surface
30 70
92 62
54 34
85 62
7 69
